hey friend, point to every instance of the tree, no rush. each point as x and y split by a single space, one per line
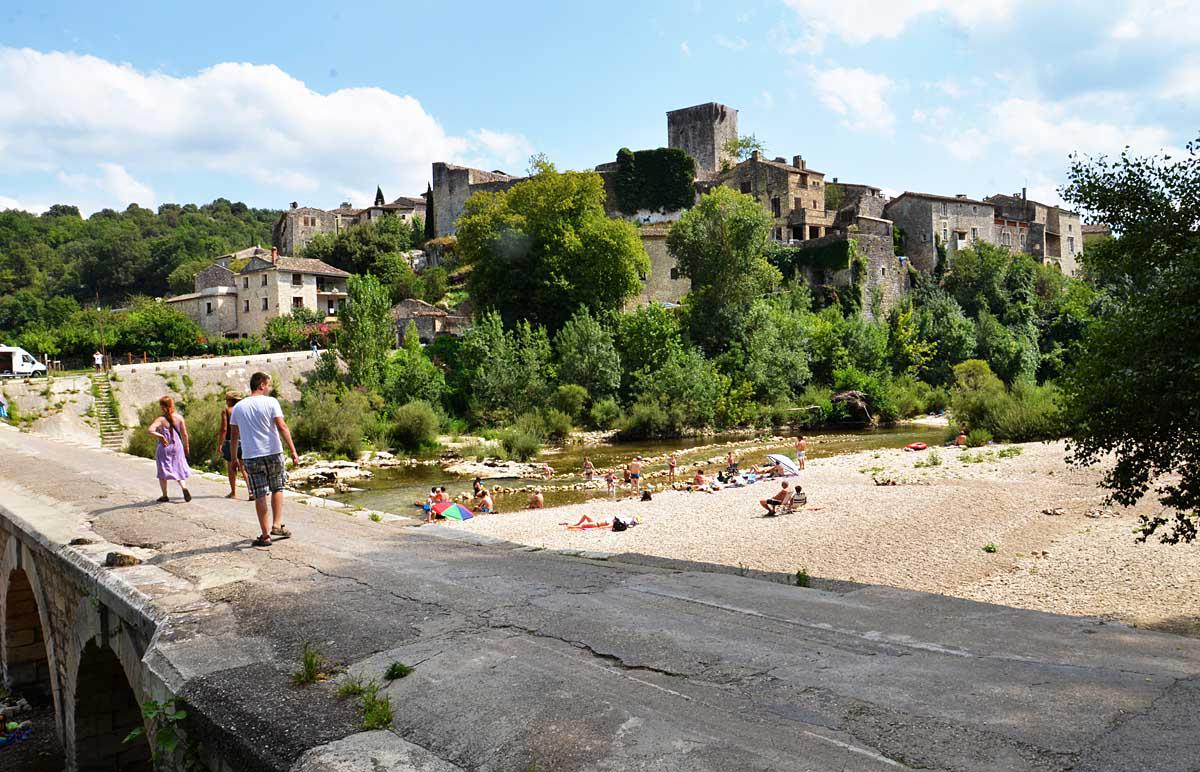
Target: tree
364 248
157 329
645 338
500 373
941 322
543 248
1134 389
721 245
909 352
587 356
743 147
409 374
367 333
285 333
775 352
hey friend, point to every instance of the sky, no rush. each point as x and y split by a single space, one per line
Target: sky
107 103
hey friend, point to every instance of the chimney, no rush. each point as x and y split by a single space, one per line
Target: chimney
960 195
798 161
295 205
274 255
755 156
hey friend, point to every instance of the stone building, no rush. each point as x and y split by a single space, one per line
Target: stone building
1050 234
452 186
704 131
241 292
1094 233
925 220
430 320
662 284
298 224
793 193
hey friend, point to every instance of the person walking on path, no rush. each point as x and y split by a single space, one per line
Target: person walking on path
801 452
171 454
233 458
257 423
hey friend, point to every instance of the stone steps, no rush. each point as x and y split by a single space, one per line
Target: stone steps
112 433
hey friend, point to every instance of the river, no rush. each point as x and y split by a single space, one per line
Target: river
401 489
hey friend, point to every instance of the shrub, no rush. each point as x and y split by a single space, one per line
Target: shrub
203 417
521 445
977 438
570 399
605 413
558 424
1026 411
140 443
816 407
645 420
877 391
415 426
331 418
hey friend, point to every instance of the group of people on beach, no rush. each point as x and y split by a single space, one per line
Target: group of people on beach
252 435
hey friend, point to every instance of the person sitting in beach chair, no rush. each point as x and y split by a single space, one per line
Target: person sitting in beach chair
795 503
781 499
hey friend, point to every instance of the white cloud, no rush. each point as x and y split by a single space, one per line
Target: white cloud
25 206
113 184
767 99
1176 21
1183 82
1030 127
253 122
857 95
733 44
861 21
685 48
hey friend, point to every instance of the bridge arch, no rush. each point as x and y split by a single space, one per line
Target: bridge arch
28 655
106 710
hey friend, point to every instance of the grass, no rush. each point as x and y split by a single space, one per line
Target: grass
976 458
871 470
376 710
313 668
397 670
353 686
802 579
741 569
375 517
1012 451
931 460
990 548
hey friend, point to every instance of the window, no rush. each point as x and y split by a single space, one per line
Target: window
332 309
266 304
974 234
1005 238
815 204
245 282
246 306
797 203
1071 244
778 234
745 187
945 233
944 208
297 302
883 271
816 185
776 209
674 272
208 308
264 280
1070 227
297 280
973 210
1022 239
925 237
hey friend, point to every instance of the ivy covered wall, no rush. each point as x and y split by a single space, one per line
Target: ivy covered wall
660 180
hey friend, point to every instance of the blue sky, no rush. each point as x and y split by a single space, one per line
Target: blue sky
106 103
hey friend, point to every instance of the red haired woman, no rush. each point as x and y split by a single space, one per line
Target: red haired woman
171 432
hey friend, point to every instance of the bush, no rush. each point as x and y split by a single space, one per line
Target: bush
415 426
977 438
877 391
520 444
816 407
570 399
203 417
140 443
331 418
605 413
1024 412
646 420
558 425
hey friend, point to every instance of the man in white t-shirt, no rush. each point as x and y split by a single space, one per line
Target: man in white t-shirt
257 423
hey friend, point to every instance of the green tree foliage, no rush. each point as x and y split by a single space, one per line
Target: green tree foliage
980 401
661 180
415 426
409 375
774 351
741 148
286 333
645 338
570 399
377 248
333 419
910 353
587 355
502 373
157 329
687 388
1134 388
942 324
368 333
543 248
721 245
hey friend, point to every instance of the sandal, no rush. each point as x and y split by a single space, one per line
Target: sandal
281 532
187 495
163 499
260 541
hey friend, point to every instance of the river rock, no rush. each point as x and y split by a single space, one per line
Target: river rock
492 468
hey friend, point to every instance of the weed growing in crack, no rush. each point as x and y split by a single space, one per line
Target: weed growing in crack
353 686
376 710
312 667
375 517
742 569
990 548
397 670
802 579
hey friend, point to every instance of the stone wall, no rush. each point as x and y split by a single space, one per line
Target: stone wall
914 217
886 276
453 185
296 227
703 131
214 276
661 284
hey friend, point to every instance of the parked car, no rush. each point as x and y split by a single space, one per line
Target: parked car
17 362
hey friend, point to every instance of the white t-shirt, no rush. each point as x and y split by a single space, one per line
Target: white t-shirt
255 419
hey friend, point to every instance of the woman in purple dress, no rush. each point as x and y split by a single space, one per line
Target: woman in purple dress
171 432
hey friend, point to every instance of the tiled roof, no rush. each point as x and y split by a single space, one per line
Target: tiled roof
308 265
1096 228
789 167
936 197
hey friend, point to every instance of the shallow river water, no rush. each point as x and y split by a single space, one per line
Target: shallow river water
401 490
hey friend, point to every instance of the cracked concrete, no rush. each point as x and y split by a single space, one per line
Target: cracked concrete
531 659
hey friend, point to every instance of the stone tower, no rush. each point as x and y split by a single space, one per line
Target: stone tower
703 131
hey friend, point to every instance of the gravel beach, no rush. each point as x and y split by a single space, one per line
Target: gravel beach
926 532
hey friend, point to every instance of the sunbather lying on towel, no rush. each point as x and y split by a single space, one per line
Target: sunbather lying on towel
586 523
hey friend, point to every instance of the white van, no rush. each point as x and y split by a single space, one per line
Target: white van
17 362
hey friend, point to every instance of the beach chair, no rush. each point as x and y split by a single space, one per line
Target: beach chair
796 503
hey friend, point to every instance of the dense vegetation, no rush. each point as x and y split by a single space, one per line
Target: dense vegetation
659 180
54 264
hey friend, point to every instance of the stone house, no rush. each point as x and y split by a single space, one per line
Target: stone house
241 292
430 320
452 186
793 193
1094 232
1050 234
297 225
925 220
704 131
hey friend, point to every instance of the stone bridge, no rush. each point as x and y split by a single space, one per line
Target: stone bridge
524 659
